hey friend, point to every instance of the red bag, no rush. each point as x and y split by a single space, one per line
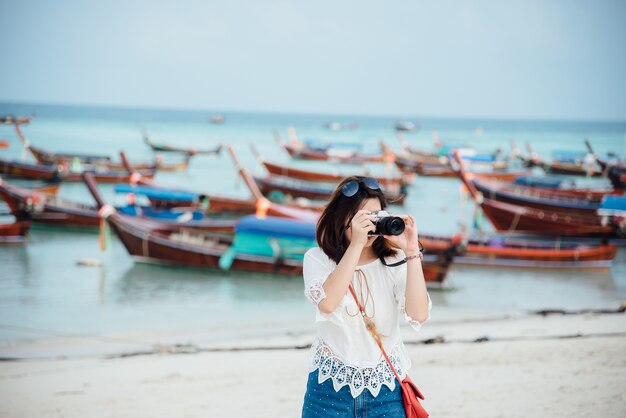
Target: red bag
410 393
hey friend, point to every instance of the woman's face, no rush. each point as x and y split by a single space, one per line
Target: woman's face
371 205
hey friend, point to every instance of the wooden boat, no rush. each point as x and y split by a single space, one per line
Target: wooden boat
318 176
324 152
53 173
425 166
30 171
614 170
27 204
93 161
14 233
517 218
537 197
257 204
568 166
285 186
34 206
149 242
170 148
513 251
13 120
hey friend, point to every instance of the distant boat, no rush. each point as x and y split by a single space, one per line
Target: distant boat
217 119
15 120
406 126
171 148
339 126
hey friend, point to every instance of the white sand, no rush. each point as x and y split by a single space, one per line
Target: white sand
525 370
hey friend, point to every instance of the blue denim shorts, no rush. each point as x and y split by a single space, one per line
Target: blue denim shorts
321 400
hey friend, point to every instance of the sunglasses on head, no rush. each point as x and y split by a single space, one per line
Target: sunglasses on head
353 186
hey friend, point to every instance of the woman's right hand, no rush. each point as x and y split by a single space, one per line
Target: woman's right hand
360 225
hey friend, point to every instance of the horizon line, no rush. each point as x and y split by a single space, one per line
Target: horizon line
399 117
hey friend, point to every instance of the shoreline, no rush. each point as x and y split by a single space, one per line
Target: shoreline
541 366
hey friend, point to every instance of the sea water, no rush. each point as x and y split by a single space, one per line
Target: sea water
45 295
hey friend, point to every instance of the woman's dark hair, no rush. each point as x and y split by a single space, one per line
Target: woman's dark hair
338 212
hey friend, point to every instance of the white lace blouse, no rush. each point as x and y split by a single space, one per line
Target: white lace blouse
344 350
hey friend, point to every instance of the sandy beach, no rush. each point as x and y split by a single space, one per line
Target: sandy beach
554 366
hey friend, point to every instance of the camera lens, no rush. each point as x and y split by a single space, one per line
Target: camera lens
391 225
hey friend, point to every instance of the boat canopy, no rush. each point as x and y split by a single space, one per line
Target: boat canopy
613 206
547 182
275 227
156 193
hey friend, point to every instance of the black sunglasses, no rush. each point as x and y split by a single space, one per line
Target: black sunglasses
353 186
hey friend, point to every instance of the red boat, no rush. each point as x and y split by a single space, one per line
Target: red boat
56 173
300 150
150 242
518 218
14 233
314 191
512 251
258 203
45 208
318 176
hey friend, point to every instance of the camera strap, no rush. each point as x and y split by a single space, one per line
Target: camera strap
396 264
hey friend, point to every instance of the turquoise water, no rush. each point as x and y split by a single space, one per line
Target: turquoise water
45 295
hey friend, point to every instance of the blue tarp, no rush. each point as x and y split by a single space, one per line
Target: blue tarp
150 212
276 227
613 205
156 193
534 181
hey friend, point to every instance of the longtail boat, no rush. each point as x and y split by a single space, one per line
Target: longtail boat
14 233
315 191
15 120
517 218
37 207
614 170
257 204
34 206
54 173
93 161
171 148
319 176
514 251
426 166
263 245
563 163
324 152
537 197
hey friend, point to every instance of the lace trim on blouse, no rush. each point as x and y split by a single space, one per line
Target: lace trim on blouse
358 378
315 292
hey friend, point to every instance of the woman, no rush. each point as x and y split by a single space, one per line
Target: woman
349 377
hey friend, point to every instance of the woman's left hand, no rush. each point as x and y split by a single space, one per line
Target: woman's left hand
408 240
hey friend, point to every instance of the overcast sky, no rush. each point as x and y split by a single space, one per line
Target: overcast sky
550 59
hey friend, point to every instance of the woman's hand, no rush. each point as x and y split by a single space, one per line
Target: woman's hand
408 240
360 225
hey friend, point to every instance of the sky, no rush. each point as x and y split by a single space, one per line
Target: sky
505 59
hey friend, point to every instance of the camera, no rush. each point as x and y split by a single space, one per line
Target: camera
387 224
